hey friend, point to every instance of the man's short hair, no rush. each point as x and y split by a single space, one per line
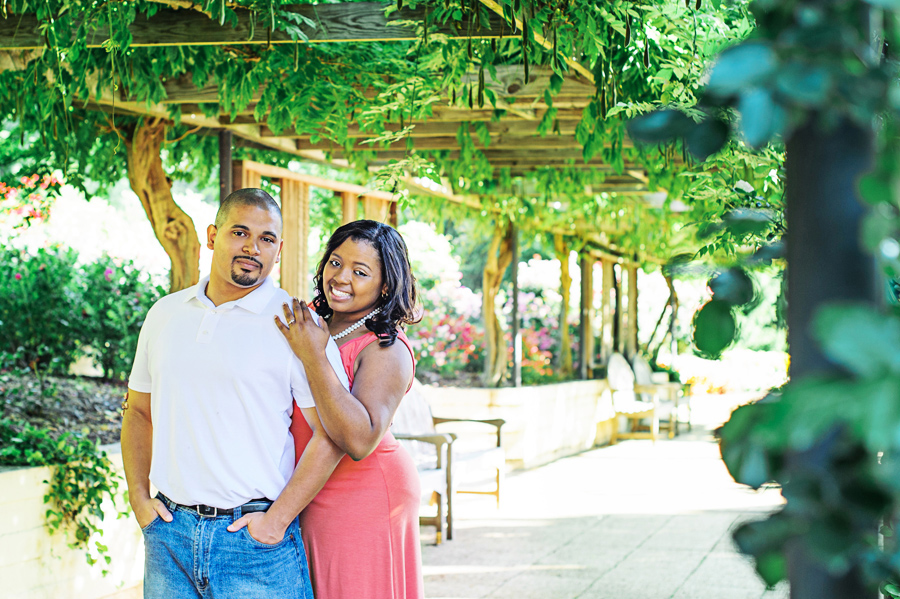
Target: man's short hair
250 196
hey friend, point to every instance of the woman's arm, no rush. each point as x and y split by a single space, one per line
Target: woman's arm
356 420
318 461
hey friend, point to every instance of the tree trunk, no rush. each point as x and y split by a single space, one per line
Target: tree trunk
564 362
173 228
499 258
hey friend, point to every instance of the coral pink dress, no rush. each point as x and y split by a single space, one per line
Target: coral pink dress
362 530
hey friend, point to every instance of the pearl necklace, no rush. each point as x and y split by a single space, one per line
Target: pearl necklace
356 325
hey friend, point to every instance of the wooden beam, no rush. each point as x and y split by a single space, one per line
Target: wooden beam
540 39
444 129
500 142
277 172
346 22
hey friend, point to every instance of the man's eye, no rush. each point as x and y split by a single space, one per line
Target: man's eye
268 240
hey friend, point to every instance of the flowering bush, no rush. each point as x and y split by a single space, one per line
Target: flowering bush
51 311
39 325
29 200
450 337
115 299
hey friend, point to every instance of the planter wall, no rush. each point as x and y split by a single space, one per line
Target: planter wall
543 423
36 565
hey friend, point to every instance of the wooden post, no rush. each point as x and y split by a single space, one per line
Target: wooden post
348 207
394 217
376 209
586 333
564 360
226 174
295 254
516 333
618 314
631 336
606 311
244 178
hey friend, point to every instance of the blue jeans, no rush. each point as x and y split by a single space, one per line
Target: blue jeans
195 556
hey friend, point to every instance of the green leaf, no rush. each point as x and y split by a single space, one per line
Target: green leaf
742 67
707 138
659 126
875 188
555 83
804 83
760 117
889 4
860 339
714 328
732 286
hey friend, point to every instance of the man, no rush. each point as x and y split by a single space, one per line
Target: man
209 404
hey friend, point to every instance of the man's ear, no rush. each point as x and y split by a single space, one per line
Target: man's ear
280 247
210 236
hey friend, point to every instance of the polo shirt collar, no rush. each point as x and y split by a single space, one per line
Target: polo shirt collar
255 301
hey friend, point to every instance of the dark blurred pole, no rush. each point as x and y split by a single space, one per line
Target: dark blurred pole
516 334
825 264
226 181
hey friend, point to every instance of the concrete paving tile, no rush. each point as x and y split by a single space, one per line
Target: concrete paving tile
634 521
541 586
781 591
715 592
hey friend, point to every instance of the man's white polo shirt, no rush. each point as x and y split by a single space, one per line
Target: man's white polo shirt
221 381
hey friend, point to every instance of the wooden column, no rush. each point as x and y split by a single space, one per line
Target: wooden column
226 173
618 313
586 333
631 335
348 207
295 254
606 311
376 209
394 217
243 178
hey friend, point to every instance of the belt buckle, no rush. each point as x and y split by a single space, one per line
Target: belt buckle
205 511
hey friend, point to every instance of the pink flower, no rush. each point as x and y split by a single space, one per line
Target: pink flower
18 276
108 274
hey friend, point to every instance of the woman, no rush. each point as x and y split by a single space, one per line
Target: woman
362 529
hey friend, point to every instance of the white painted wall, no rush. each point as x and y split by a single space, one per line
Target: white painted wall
36 565
543 423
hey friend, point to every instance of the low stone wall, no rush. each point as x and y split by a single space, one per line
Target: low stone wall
543 423
36 565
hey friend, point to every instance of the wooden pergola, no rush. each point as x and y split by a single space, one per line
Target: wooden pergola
513 138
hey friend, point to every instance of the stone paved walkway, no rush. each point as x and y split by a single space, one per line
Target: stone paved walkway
632 521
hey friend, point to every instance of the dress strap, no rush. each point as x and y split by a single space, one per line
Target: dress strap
351 350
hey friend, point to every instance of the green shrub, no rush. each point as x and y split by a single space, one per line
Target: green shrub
39 312
115 298
82 478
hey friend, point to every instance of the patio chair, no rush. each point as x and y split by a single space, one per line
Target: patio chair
434 453
675 398
633 402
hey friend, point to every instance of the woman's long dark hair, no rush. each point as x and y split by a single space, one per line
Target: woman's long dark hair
398 307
